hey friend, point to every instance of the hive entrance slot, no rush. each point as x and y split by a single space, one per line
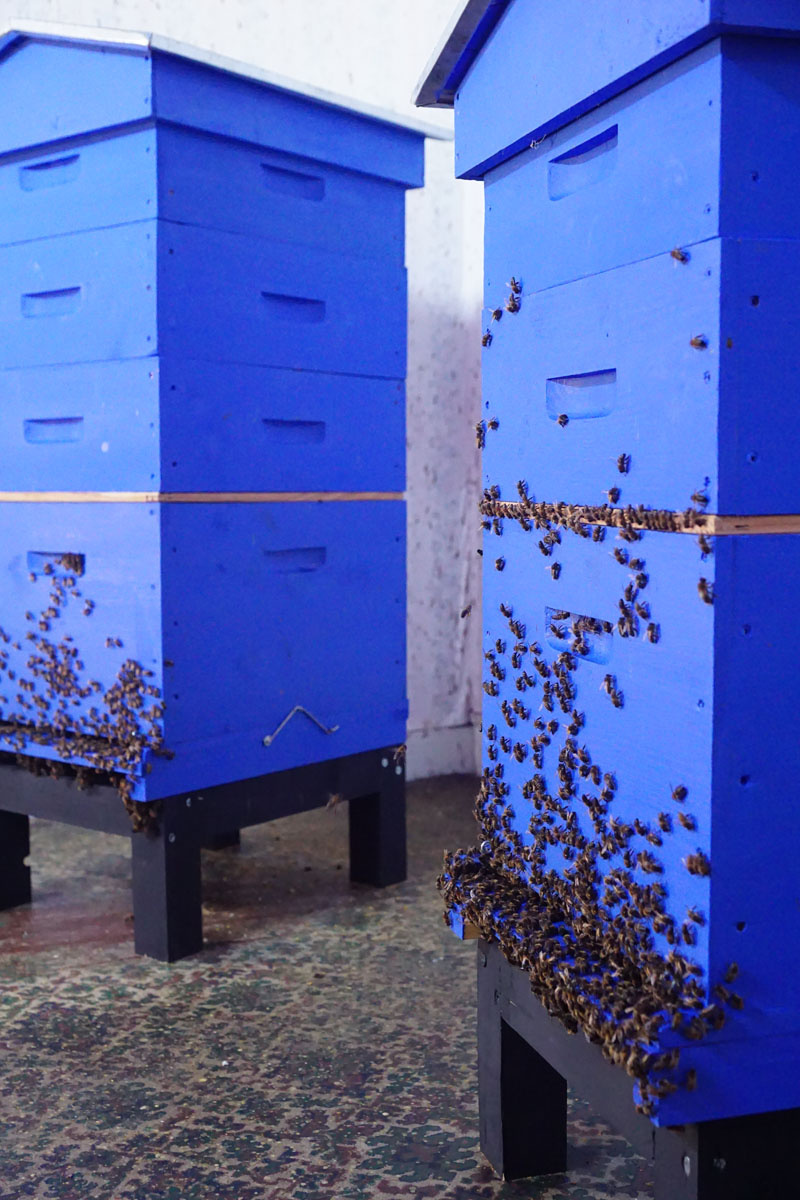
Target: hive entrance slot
65 560
49 174
592 394
294 432
583 165
51 304
293 183
51 430
294 308
577 627
296 560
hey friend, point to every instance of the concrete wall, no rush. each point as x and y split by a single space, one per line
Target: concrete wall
374 50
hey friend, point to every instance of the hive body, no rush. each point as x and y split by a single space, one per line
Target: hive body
650 246
203 316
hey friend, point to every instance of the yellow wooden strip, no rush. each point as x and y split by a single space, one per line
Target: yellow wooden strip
191 497
691 521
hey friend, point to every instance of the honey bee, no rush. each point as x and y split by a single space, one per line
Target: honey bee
687 821
506 610
620 555
466 611
653 633
624 464
515 285
562 419
512 304
613 494
705 590
480 435
555 570
731 973
699 342
691 1074
497 314
680 255
705 546
486 340
697 864
493 423
500 564
680 792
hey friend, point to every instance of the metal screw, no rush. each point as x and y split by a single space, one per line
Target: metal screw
720 1164
687 1165
384 762
188 801
398 770
171 837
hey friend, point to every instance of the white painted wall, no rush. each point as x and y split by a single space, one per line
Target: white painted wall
374 51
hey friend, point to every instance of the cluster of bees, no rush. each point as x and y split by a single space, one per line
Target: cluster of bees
591 933
512 304
46 699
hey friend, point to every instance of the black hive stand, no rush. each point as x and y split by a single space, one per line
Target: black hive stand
167 888
525 1059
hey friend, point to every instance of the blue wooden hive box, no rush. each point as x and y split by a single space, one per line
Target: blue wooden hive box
202 364
642 546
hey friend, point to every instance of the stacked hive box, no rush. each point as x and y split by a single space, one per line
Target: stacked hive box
203 314
639 730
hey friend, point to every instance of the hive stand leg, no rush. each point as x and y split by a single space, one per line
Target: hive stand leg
522 1100
741 1158
222 841
15 876
167 899
378 829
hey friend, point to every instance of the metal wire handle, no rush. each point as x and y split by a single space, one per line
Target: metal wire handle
298 708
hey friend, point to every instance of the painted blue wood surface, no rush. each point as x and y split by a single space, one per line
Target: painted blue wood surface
182 426
195 179
683 168
688 717
261 429
658 134
86 427
86 297
190 94
77 185
242 610
53 91
522 85
613 353
50 92
284 197
227 297
221 296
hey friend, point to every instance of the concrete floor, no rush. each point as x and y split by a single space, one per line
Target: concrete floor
321 1048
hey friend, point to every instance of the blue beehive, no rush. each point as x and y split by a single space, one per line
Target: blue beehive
641 555
203 315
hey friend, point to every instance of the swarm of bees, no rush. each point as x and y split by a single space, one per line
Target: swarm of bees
105 741
595 934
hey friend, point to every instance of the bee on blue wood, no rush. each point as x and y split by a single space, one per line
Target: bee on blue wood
705 591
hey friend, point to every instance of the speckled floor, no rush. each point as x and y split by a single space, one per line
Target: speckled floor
321 1048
